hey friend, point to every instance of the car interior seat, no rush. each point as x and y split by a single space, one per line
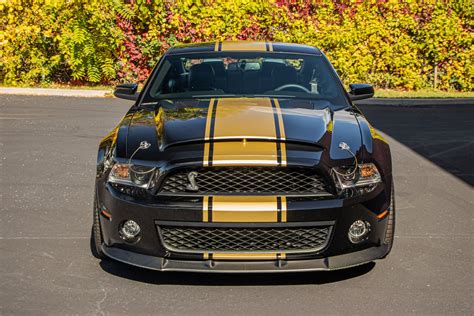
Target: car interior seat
201 77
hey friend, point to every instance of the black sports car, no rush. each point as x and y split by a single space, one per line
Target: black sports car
243 157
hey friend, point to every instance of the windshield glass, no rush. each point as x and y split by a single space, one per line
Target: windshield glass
246 74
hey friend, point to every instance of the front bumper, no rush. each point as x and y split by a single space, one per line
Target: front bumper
323 264
149 251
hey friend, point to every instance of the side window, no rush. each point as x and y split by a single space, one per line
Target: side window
160 78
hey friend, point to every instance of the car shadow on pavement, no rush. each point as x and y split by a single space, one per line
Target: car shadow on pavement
218 279
442 134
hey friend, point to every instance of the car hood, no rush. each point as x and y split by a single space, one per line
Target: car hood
299 122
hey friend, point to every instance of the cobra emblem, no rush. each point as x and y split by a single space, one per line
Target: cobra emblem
192 186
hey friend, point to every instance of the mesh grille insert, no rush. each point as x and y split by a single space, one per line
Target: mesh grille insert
206 239
247 180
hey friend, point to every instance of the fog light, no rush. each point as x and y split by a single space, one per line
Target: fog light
358 231
129 230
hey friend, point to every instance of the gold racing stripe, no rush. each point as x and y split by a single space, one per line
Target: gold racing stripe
244 117
245 153
207 135
244 209
241 209
281 129
258 119
283 209
242 46
243 256
262 121
270 47
205 209
247 256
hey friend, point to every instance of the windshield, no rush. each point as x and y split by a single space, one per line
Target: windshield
246 74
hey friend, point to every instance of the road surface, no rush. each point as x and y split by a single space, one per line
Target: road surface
48 152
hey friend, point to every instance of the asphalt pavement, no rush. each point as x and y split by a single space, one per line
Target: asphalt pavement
48 152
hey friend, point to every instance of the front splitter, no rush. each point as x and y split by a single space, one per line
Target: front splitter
214 266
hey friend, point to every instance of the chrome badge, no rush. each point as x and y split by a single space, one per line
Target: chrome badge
192 186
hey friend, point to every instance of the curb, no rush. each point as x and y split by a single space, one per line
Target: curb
416 102
56 92
108 93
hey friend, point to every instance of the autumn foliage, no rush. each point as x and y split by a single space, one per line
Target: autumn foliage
389 43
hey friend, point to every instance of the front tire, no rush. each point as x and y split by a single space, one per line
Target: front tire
96 235
390 233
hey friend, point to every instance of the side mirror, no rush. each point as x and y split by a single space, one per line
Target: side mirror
126 91
360 91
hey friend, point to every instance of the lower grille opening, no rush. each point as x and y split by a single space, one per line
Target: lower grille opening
244 239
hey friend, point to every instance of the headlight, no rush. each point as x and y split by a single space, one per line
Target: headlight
361 179
133 175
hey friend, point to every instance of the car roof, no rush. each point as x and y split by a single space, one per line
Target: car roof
243 46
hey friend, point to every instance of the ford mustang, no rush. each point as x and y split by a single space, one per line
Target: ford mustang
243 157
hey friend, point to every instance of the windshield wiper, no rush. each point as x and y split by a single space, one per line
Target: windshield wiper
214 96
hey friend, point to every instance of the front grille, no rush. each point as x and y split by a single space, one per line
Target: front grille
237 239
247 181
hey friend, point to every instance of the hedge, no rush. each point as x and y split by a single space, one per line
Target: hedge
389 43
